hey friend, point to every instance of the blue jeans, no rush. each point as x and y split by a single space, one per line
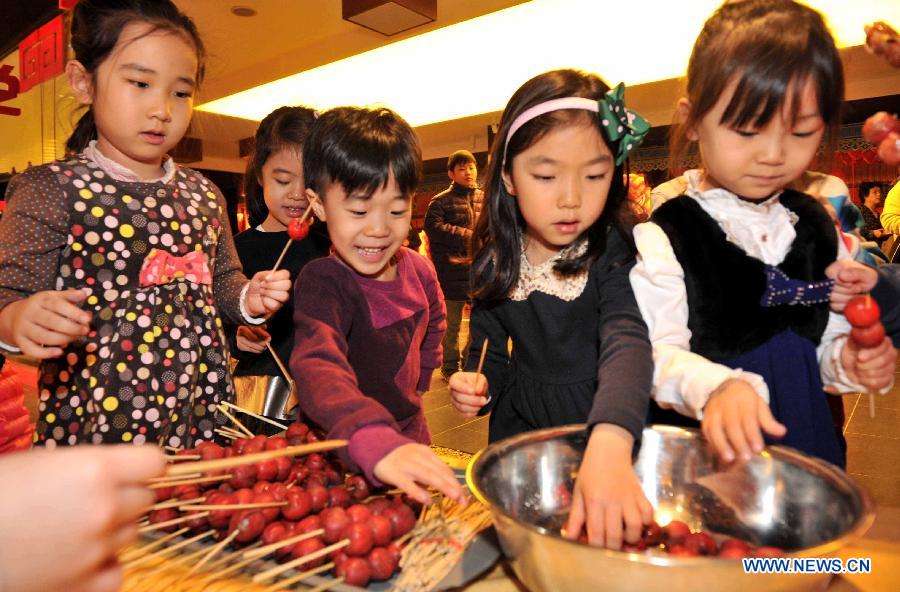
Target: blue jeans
450 343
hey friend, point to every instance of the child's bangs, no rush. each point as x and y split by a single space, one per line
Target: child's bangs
367 167
761 92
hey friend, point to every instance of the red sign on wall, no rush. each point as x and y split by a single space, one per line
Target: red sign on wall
42 55
11 91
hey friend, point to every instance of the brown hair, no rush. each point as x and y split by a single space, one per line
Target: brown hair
769 46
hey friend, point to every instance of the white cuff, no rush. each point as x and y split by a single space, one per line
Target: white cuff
755 381
838 378
10 349
250 320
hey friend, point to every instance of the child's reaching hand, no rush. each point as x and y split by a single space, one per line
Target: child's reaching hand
468 392
252 339
45 322
851 279
267 292
872 367
735 417
412 466
607 492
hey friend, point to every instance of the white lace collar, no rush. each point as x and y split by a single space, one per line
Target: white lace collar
542 278
120 172
764 230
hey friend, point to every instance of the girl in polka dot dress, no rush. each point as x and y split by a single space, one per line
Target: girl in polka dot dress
115 264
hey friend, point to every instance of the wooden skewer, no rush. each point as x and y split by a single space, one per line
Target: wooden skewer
172 449
282 584
261 417
228 434
871 404
235 506
164 478
177 457
173 521
174 503
290 240
136 552
481 359
221 573
234 461
240 426
269 574
212 553
284 371
263 551
328 585
194 481
166 550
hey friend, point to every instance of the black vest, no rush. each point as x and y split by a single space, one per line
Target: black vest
725 285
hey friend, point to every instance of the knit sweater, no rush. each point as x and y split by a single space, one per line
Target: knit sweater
363 351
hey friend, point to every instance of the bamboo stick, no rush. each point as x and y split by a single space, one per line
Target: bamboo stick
212 553
166 550
227 463
236 422
193 481
270 573
135 552
174 503
172 522
263 551
262 417
328 585
282 584
290 240
248 506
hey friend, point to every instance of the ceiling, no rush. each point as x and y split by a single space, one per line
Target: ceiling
290 36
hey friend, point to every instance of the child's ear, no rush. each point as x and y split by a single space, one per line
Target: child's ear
316 203
508 183
683 108
81 81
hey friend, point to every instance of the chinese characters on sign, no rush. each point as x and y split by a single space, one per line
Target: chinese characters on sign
10 92
42 55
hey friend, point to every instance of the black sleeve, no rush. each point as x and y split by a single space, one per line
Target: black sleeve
887 295
484 323
625 364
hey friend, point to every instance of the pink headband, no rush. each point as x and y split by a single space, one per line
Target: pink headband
547 107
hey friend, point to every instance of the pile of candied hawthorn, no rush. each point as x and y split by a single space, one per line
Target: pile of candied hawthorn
676 538
316 493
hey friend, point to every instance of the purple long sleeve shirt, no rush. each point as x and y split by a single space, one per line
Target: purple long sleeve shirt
364 349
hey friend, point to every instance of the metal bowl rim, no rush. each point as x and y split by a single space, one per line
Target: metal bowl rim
818 466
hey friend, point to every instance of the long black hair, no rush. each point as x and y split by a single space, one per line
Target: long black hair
95 30
497 240
769 46
285 127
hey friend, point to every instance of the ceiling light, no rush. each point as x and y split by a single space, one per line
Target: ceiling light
389 17
243 11
474 66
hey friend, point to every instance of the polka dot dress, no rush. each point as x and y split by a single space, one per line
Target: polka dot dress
155 366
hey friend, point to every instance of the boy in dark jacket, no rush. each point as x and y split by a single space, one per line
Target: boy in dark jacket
449 222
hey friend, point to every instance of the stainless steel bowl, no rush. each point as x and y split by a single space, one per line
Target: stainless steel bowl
782 498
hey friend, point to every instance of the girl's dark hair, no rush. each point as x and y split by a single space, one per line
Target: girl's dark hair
285 127
771 46
497 240
94 33
359 148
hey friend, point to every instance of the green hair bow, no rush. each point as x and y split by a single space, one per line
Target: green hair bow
620 123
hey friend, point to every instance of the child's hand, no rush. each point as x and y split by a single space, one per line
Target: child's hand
872 367
45 322
267 292
468 392
252 339
607 492
412 466
851 279
71 512
734 419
